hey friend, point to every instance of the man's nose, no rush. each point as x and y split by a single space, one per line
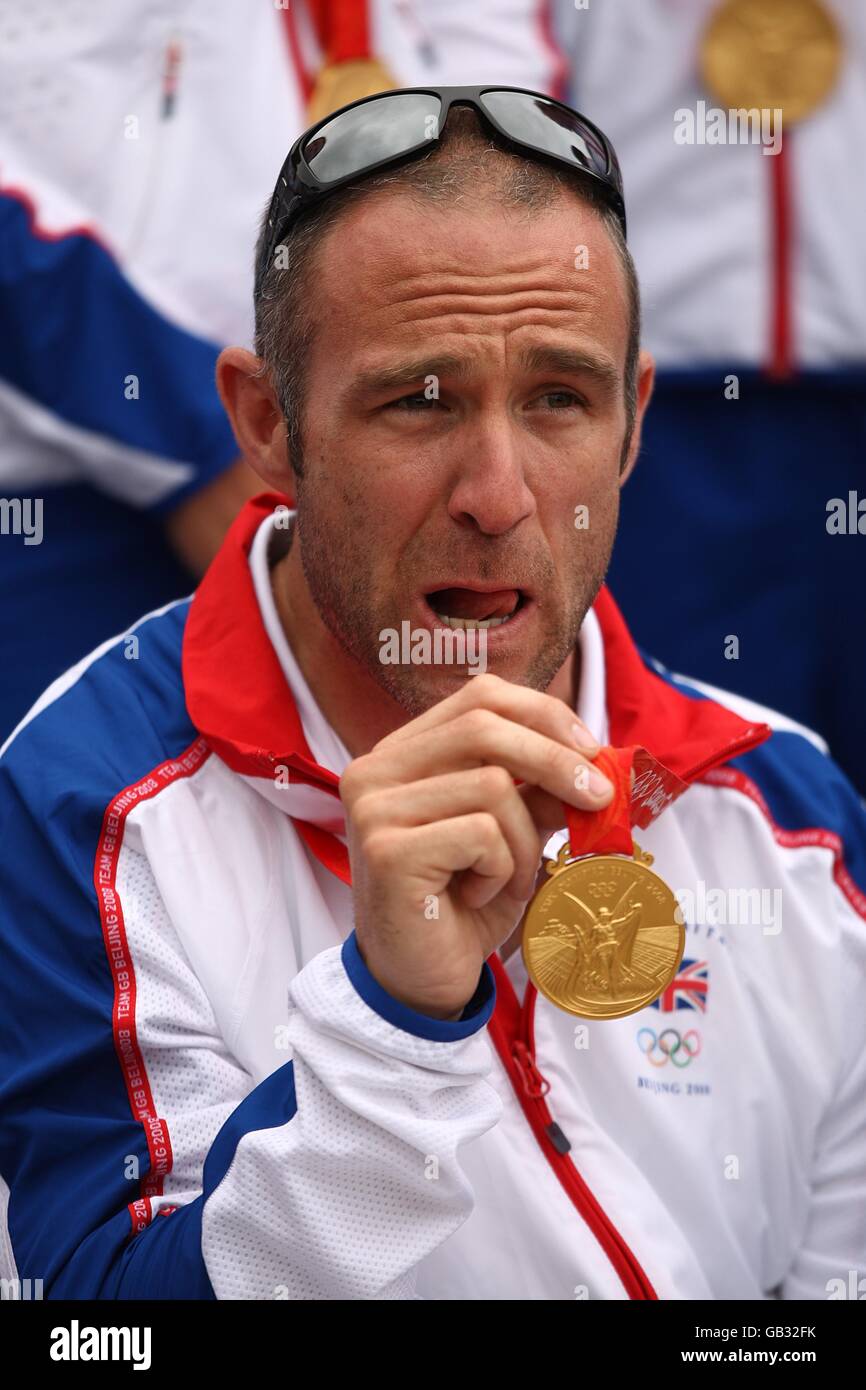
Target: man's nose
490 490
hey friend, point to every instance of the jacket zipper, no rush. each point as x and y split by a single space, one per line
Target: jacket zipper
512 1030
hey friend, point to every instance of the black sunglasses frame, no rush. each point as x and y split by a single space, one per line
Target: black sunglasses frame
298 188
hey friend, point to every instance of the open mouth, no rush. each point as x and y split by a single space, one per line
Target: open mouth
471 608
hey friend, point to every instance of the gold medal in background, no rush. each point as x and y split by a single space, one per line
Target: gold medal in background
605 936
339 83
775 54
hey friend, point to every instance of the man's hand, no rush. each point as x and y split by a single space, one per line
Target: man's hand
444 848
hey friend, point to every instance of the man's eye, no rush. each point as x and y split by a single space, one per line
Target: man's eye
561 400
419 401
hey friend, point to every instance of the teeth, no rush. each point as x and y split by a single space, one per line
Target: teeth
474 622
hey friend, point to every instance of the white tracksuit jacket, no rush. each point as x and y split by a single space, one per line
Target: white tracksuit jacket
204 1093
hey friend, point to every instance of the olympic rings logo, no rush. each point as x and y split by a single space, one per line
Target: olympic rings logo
669 1046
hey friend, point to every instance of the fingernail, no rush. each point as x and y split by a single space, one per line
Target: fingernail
582 737
598 783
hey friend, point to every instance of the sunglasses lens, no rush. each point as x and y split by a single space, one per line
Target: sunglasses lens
377 130
546 126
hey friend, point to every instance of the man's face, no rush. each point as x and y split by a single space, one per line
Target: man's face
464 405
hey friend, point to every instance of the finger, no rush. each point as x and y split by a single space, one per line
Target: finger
480 737
453 794
472 844
546 811
534 709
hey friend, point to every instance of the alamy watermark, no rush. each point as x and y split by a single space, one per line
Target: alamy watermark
20 1290
723 907
22 516
77 1343
739 125
443 646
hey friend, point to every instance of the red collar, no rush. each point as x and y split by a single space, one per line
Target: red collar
238 698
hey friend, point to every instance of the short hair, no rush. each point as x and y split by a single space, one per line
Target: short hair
463 160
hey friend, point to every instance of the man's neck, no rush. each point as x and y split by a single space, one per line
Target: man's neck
357 708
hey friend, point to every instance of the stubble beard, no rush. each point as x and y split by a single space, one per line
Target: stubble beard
334 576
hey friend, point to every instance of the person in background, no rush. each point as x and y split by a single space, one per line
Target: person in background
755 304
755 312
123 130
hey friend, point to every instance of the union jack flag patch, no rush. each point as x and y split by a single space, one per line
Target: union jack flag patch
687 990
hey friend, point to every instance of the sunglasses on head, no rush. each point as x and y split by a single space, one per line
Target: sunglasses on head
396 127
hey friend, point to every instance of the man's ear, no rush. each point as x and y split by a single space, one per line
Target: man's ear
645 381
250 402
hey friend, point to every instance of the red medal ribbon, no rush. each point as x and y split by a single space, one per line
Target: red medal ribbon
608 830
343 29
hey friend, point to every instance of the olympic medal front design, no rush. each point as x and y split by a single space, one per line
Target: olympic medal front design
604 937
776 54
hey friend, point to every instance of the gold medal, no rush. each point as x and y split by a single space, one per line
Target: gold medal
605 936
773 54
340 83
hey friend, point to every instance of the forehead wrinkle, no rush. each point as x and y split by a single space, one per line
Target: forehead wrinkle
493 286
424 311
483 323
549 303
436 274
399 254
420 297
